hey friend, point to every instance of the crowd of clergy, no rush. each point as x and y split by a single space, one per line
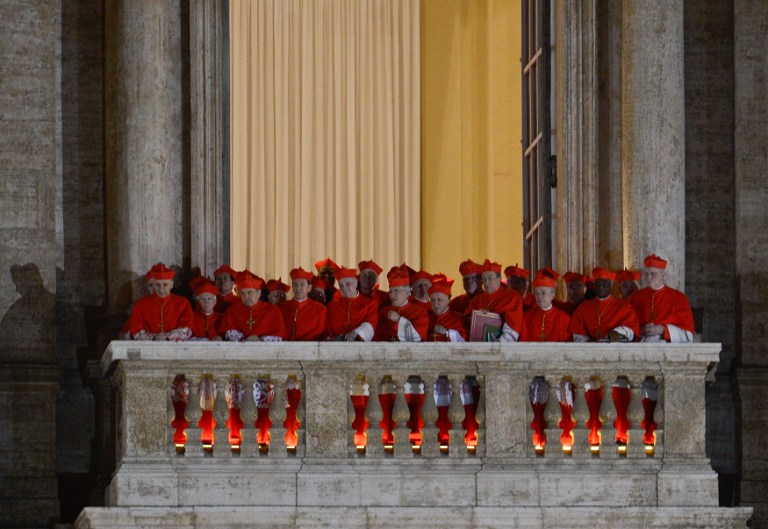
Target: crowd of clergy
346 304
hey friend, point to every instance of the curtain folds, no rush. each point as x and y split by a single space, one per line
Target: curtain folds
325 124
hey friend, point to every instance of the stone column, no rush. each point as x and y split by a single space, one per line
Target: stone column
144 141
653 133
577 191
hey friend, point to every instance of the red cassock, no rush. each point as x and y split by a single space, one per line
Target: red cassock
223 303
154 315
346 314
306 321
529 302
505 302
206 326
426 305
597 317
261 319
545 325
450 320
387 330
380 297
460 303
566 306
663 307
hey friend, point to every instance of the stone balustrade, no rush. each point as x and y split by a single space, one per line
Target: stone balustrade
330 468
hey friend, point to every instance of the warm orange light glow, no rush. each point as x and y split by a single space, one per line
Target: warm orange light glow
622 449
595 449
472 449
539 450
567 449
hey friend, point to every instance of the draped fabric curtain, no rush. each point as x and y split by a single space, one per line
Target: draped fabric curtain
325 125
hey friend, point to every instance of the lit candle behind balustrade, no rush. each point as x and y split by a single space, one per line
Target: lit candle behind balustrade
565 397
206 392
538 393
443 392
291 422
650 394
359 394
263 394
621 394
180 399
387 395
235 393
413 390
594 398
470 398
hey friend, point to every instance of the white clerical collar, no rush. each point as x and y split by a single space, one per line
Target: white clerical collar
661 287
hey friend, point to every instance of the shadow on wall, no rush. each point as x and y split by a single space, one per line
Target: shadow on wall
28 329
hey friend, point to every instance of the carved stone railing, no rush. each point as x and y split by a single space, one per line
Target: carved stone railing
160 463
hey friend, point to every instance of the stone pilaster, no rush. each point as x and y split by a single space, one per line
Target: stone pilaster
653 133
208 134
577 162
146 186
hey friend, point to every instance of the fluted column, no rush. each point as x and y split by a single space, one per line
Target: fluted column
144 156
577 154
208 59
653 133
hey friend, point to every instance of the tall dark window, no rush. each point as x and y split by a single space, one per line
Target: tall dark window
537 162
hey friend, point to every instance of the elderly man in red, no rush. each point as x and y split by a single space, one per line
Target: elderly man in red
162 315
369 282
445 325
351 317
505 302
604 318
545 322
664 313
518 279
207 320
252 320
421 281
402 321
470 274
306 320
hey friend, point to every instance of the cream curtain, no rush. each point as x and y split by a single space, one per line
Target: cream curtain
325 121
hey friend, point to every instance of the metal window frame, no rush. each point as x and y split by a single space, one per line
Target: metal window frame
537 175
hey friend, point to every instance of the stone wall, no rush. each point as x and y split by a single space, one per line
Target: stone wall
29 166
751 249
709 177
